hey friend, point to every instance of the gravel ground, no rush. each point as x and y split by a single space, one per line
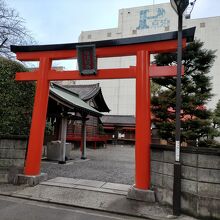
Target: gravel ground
113 164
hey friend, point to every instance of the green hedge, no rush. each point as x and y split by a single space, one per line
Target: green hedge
16 99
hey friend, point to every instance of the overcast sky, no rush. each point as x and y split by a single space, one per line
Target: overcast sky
61 21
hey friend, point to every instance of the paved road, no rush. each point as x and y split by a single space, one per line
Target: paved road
113 164
20 209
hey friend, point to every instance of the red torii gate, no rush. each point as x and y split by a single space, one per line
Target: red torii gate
141 47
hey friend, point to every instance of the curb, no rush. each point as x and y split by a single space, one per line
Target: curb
14 195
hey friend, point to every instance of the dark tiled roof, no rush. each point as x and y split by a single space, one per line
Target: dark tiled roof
118 120
71 100
85 92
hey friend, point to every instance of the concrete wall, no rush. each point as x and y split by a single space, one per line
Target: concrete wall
12 156
200 188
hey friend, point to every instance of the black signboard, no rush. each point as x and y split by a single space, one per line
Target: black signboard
86 57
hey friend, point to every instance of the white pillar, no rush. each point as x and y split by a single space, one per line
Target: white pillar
83 139
63 140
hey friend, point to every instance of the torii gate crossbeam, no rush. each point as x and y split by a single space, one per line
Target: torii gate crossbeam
141 47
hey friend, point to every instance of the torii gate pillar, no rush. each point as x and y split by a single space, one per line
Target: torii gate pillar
38 119
143 136
140 191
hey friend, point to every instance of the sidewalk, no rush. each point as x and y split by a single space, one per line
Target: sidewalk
98 195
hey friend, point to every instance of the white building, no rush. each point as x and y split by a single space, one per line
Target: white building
147 20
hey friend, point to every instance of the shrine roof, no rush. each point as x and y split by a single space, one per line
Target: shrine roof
187 33
121 120
71 100
88 92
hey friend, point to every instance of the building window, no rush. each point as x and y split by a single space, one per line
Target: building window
202 25
109 34
167 28
89 36
134 31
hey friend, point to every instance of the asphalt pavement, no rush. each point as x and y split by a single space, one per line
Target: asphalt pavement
21 209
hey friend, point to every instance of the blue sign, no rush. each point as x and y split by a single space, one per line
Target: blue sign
153 22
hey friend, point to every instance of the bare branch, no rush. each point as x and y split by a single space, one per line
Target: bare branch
13 29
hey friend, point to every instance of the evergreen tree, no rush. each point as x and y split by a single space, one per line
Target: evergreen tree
16 99
196 92
154 88
216 121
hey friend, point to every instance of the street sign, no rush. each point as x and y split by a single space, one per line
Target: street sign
86 57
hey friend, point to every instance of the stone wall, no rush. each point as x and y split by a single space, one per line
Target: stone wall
12 157
200 189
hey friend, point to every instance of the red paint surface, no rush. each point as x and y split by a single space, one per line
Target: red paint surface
141 72
34 153
142 144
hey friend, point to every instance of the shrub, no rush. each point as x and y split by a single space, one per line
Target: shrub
16 99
